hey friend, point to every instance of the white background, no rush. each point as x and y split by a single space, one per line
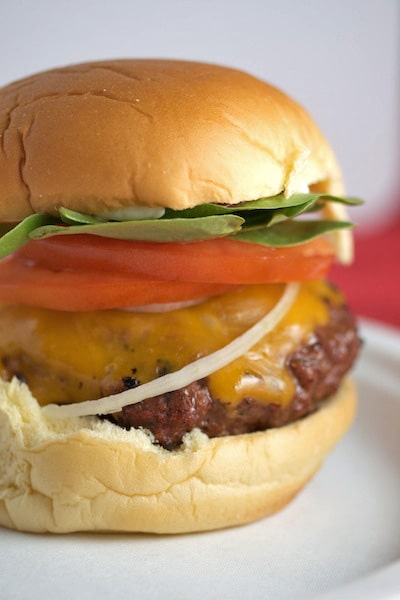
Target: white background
339 58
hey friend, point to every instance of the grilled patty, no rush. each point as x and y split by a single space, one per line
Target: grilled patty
72 357
317 367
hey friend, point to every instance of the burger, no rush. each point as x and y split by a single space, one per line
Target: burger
172 356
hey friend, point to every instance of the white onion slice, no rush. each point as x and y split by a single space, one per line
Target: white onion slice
343 237
163 307
192 372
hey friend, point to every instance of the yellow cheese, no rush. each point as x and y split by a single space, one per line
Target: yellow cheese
70 357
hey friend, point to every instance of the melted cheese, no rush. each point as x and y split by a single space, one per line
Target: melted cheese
72 357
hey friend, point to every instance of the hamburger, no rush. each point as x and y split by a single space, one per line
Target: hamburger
172 356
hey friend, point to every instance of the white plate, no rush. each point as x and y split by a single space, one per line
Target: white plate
340 539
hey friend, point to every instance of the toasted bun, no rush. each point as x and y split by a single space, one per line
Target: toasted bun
120 481
104 135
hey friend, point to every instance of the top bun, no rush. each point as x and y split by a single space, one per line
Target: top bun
105 135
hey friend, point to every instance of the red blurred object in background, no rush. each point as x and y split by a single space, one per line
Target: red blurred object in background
372 283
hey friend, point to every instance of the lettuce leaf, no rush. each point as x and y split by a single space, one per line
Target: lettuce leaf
73 217
268 221
160 230
290 233
19 235
273 203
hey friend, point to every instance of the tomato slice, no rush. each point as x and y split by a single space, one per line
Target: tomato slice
23 284
213 261
84 272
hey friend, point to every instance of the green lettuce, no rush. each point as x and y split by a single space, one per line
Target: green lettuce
276 221
159 230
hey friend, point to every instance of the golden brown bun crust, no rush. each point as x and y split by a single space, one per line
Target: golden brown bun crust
104 135
89 475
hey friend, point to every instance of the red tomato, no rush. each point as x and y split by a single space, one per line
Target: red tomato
213 261
21 283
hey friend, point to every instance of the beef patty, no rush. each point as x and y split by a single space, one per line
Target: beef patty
317 368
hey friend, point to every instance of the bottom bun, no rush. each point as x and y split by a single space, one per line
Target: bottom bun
89 475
